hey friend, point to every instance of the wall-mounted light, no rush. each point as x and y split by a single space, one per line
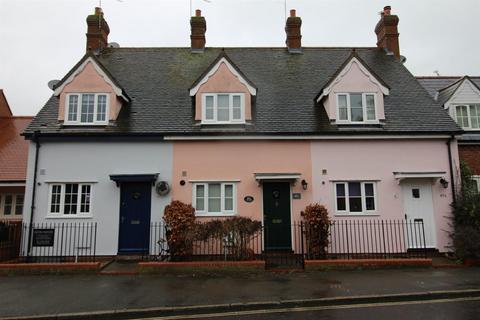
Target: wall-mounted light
182 182
304 184
444 183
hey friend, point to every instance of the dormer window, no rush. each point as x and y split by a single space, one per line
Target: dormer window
223 108
86 109
468 116
356 108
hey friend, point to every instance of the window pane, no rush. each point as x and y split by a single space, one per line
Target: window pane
354 189
369 189
228 193
340 190
342 107
214 205
228 190
200 198
229 204
101 107
236 108
71 198
19 204
55 200
85 199
209 107
223 112
72 108
356 107
87 108
7 207
370 203
370 100
341 204
214 190
462 116
355 204
214 197
475 116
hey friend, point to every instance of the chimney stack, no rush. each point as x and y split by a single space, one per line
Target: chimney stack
97 32
198 26
387 32
292 29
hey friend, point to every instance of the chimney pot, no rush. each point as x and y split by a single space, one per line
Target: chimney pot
387 32
293 31
198 28
97 31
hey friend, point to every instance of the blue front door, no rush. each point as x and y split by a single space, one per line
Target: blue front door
135 205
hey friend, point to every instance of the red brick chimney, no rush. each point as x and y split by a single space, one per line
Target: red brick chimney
294 36
198 26
387 32
97 32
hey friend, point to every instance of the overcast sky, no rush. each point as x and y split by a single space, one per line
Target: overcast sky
41 40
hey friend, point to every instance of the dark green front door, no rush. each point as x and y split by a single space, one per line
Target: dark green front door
276 215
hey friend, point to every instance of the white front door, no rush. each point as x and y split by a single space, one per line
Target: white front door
418 206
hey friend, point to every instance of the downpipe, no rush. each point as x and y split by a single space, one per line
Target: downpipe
34 189
450 163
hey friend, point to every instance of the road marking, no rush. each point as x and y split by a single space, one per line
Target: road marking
305 309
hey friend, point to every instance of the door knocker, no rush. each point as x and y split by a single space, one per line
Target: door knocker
136 195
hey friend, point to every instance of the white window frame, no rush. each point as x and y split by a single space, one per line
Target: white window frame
364 108
222 212
476 179
215 104
362 195
79 109
14 205
62 214
469 119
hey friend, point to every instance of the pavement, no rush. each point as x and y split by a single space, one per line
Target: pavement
71 294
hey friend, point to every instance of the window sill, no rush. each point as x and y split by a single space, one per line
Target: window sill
212 215
69 216
357 215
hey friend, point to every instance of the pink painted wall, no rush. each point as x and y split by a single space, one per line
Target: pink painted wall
89 81
239 160
377 160
354 81
223 81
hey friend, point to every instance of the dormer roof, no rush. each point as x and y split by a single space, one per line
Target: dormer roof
344 69
222 58
101 70
449 91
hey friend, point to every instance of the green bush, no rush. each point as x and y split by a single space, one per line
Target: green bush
466 218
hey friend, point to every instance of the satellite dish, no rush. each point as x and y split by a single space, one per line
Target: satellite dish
162 188
113 45
52 83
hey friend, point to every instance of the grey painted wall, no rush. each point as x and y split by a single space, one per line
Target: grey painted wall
94 162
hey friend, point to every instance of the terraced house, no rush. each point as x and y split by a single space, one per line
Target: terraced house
460 96
254 132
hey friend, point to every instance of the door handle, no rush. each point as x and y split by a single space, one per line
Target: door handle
122 219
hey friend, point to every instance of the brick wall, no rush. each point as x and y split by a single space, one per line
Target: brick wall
471 155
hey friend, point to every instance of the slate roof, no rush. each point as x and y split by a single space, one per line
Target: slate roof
13 148
435 84
157 81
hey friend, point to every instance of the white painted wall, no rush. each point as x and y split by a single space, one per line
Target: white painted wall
96 161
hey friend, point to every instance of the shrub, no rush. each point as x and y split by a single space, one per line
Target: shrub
180 224
235 233
317 228
466 218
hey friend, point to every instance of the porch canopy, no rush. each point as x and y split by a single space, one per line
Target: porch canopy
276 176
148 177
434 175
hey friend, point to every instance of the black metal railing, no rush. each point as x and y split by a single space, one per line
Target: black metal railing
59 242
10 240
369 239
231 246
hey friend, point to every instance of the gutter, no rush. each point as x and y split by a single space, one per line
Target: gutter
34 188
450 163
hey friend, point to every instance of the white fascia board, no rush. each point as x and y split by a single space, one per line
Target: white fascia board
116 89
310 137
345 70
214 69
